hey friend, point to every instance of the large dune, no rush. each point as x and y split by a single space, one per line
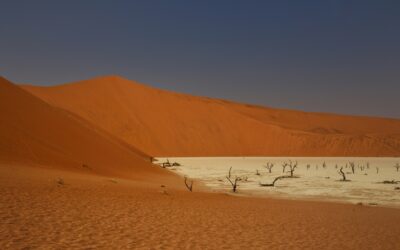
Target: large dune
86 132
164 123
34 132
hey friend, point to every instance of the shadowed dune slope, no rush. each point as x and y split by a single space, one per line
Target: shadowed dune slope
34 132
164 123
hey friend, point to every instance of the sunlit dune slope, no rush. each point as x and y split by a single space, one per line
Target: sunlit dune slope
164 123
34 132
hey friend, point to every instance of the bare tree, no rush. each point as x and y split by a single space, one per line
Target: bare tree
367 165
342 174
257 172
352 166
292 167
269 166
397 166
233 182
324 165
284 165
229 173
273 183
190 187
377 169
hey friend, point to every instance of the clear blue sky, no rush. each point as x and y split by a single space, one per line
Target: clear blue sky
329 56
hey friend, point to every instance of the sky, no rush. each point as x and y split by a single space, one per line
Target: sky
323 56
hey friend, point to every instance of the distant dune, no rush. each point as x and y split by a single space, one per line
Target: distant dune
34 132
164 123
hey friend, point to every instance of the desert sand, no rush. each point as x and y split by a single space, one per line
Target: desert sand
70 180
185 125
102 212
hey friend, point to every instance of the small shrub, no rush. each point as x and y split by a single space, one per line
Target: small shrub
60 181
397 166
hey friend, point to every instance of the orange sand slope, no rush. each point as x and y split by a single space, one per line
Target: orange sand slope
33 132
94 212
163 123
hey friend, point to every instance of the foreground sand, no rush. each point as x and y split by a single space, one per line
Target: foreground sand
89 211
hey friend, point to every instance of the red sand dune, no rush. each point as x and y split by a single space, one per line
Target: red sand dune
163 123
149 208
33 132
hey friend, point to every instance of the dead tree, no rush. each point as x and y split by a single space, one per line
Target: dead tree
229 173
390 182
233 182
292 167
166 164
190 187
284 165
273 183
377 169
367 165
342 174
397 166
352 166
324 165
269 166
257 173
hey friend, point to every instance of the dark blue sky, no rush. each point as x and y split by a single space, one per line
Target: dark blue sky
329 56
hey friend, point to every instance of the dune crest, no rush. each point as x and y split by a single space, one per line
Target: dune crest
164 123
